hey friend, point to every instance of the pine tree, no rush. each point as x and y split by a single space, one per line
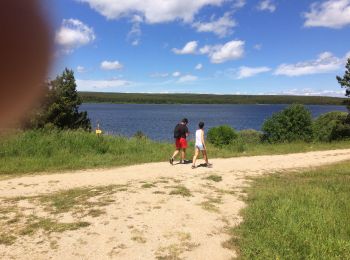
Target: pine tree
345 80
345 83
60 106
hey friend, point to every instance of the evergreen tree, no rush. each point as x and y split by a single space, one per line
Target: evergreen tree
345 83
60 106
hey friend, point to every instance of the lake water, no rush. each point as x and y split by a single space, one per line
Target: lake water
158 121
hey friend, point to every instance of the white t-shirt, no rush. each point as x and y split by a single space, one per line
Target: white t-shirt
199 137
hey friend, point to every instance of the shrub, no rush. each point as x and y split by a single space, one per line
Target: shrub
140 135
291 124
331 126
250 136
221 135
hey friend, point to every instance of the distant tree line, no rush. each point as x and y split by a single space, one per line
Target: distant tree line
143 98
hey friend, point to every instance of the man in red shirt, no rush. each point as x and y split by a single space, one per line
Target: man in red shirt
180 134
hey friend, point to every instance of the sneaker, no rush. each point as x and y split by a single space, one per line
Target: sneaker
171 160
193 167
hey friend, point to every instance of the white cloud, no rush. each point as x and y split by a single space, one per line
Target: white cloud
189 48
153 11
135 32
309 92
266 5
246 72
231 50
199 66
221 27
85 85
187 78
176 74
111 65
81 69
239 3
257 47
331 13
326 62
73 34
135 42
159 75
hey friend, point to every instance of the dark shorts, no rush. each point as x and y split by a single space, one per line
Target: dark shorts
181 143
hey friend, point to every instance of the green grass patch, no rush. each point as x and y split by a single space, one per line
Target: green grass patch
6 239
79 203
297 216
180 190
209 204
53 151
79 199
49 225
214 177
148 185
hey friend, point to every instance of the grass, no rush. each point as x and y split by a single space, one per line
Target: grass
214 177
209 204
180 190
297 216
54 151
78 203
6 239
148 185
50 226
78 199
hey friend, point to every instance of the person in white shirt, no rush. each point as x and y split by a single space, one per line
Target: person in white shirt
200 146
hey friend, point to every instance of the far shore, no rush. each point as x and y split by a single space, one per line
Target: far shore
182 98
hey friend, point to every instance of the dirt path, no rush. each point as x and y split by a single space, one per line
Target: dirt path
150 211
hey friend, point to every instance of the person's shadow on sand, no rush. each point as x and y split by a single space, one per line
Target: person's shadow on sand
185 162
202 165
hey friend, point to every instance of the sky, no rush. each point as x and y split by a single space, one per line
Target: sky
202 46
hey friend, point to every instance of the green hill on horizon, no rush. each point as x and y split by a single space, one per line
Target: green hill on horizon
145 98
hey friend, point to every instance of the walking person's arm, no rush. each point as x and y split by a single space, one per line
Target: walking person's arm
202 137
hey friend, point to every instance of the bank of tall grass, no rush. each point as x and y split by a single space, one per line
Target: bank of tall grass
51 151
297 216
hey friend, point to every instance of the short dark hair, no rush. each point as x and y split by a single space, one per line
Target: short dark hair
201 125
185 120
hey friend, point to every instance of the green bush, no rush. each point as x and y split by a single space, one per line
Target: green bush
250 136
140 135
221 135
291 124
331 126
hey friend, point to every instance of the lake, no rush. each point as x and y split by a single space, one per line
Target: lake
158 121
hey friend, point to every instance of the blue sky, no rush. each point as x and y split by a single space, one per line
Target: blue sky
203 46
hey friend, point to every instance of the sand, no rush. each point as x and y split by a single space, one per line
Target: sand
148 222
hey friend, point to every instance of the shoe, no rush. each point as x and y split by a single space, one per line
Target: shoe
193 167
171 160
209 165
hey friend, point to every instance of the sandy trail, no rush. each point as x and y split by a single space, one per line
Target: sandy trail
142 219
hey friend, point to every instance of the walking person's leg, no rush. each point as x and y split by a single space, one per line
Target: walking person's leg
174 155
196 153
178 148
183 154
205 156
